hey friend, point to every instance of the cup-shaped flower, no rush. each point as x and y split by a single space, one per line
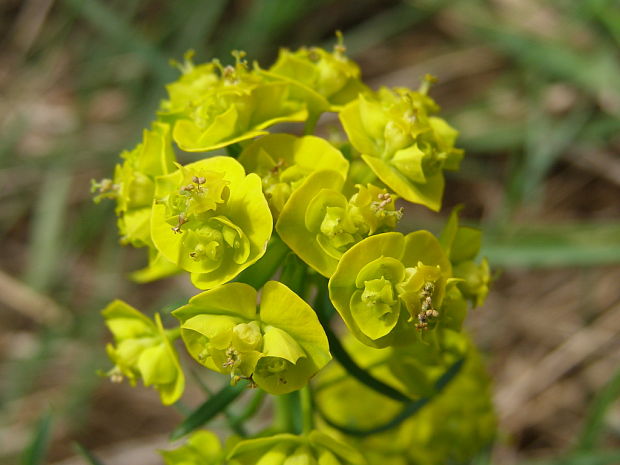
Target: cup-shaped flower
325 80
284 449
406 147
319 223
462 244
389 287
212 106
210 219
202 448
279 346
133 188
143 350
283 161
133 185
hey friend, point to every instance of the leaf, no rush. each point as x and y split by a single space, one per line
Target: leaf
595 421
37 449
209 409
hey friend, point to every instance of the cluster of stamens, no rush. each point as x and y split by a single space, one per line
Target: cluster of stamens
195 186
427 313
384 199
232 357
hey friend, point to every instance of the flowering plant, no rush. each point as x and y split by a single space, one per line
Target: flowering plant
286 235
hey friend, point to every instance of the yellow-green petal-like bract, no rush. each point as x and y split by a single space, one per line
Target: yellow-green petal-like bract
389 287
210 219
202 448
284 449
279 346
212 106
403 144
283 161
319 223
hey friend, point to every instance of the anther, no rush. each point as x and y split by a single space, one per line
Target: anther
182 221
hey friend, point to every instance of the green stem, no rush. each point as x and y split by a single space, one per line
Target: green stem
173 333
285 413
264 269
313 118
250 409
307 409
294 274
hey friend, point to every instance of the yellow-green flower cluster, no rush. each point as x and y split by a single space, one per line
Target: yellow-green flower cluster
143 350
299 208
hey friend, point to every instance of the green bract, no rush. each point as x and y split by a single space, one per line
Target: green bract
319 223
202 448
404 145
210 219
143 350
279 347
462 245
213 106
389 286
324 81
283 161
288 449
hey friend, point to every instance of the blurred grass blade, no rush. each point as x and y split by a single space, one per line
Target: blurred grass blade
198 25
34 454
111 24
47 229
209 409
593 71
386 24
86 454
595 421
600 457
586 244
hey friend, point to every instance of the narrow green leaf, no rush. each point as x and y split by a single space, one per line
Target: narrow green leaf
209 409
601 457
48 228
595 421
34 454
408 410
538 246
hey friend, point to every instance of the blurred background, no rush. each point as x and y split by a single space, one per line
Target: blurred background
534 89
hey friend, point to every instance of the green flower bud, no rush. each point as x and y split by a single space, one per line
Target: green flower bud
284 161
211 219
389 287
279 347
324 80
202 448
212 106
319 223
143 350
462 245
404 146
287 449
